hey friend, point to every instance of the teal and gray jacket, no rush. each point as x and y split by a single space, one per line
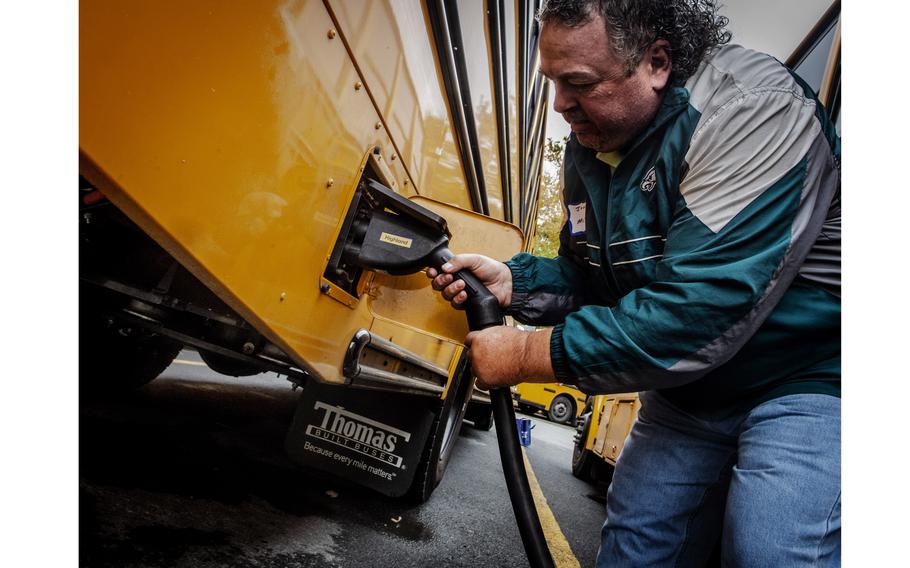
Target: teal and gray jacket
706 264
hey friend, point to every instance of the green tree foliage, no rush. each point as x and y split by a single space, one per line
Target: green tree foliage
550 211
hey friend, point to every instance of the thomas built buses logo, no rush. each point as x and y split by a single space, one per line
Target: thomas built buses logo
358 433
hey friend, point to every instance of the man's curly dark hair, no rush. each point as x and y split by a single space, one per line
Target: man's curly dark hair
691 27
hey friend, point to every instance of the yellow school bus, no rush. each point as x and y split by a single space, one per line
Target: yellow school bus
561 403
225 150
606 420
600 434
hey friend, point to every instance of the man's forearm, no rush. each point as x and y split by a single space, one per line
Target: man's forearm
502 356
536 365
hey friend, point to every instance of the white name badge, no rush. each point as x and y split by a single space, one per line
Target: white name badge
577 218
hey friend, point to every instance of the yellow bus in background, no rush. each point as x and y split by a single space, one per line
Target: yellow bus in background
561 403
600 434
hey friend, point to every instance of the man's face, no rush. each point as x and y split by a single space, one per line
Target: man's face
605 107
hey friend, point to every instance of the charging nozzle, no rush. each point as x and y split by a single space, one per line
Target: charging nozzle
395 235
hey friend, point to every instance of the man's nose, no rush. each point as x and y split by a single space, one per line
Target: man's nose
562 101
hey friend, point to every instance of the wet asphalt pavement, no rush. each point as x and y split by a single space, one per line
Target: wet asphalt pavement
190 471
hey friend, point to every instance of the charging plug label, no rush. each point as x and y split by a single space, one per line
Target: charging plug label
395 240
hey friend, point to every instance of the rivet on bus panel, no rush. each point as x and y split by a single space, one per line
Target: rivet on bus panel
358 85
331 34
330 182
283 296
378 125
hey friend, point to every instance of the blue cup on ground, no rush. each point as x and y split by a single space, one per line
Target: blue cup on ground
524 430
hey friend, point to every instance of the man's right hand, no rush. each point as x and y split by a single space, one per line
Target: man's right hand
495 275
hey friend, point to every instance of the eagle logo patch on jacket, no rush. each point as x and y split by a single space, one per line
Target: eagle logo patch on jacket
649 181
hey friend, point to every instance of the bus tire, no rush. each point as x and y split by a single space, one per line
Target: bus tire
117 358
583 458
443 435
227 366
562 409
602 472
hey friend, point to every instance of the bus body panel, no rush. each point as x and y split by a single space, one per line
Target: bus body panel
235 134
613 418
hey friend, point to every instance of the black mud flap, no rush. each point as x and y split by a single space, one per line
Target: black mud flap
371 438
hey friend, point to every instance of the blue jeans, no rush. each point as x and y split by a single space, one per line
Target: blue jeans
766 482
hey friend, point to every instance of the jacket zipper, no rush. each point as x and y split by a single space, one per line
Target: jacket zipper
605 250
605 242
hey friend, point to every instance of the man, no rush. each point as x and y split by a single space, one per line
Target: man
700 262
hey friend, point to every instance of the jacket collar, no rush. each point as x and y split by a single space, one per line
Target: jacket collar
676 99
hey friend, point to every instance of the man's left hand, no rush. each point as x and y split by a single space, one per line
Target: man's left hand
503 356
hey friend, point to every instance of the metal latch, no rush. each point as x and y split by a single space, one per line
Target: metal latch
375 362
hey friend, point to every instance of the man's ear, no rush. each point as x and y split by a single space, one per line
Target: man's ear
659 64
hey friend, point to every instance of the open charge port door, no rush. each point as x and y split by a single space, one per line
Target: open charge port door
341 271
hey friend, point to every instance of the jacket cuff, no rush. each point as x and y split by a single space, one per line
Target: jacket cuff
520 265
558 357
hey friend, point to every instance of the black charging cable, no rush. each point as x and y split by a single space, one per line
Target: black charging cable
483 311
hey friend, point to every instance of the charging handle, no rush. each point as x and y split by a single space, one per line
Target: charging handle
481 307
